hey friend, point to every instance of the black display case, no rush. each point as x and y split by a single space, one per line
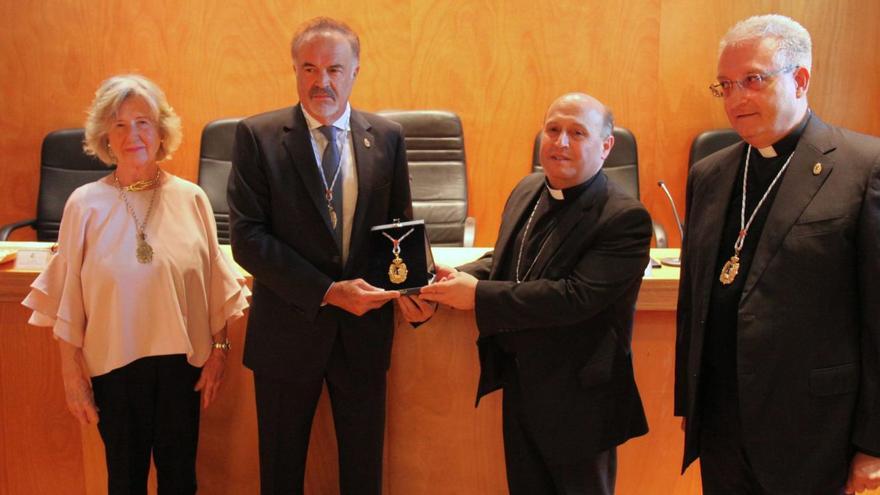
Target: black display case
400 257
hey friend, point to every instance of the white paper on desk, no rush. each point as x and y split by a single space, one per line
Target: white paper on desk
32 259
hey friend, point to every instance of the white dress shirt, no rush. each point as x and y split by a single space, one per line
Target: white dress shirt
348 172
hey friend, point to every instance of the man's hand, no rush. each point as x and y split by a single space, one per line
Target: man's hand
414 309
211 377
441 272
864 473
458 290
357 296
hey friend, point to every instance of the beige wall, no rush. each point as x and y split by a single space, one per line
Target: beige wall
497 63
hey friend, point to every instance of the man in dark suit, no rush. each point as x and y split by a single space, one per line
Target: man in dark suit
778 348
554 306
307 183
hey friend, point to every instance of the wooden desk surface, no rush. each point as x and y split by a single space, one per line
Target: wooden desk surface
659 289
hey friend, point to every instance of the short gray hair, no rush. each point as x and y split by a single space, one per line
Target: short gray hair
110 96
323 25
794 46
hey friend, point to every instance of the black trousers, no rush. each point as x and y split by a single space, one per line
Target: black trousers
285 410
149 407
531 473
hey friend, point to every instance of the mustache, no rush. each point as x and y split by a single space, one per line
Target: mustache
328 91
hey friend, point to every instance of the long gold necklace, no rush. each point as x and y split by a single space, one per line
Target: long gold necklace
731 268
144 252
397 270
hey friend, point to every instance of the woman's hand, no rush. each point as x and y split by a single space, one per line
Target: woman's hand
212 377
77 384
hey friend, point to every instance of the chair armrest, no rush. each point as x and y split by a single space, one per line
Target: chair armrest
470 230
660 235
9 227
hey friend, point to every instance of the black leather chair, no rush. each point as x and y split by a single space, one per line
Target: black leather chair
215 163
709 142
621 166
437 167
63 167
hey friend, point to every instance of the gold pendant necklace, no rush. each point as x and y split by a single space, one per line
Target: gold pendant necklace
143 252
397 270
332 211
731 268
328 188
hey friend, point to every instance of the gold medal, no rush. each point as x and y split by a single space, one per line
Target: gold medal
332 215
397 270
731 268
144 250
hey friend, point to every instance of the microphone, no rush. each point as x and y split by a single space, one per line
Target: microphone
672 261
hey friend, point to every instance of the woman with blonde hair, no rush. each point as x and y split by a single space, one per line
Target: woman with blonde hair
139 294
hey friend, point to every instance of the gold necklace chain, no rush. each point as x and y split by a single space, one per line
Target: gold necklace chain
397 270
144 251
140 185
731 267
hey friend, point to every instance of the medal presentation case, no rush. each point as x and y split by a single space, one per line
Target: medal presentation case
400 257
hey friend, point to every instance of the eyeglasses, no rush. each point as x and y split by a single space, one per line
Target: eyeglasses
752 82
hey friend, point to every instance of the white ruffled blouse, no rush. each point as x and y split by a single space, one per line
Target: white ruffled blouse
96 295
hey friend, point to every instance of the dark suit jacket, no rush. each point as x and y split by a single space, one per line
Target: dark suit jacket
570 322
281 234
808 327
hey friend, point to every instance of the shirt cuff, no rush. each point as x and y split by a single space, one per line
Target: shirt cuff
324 300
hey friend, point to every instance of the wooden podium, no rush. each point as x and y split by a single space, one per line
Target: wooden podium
436 441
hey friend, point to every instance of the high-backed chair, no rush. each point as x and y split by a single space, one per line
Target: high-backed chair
621 167
709 142
435 153
215 163
64 166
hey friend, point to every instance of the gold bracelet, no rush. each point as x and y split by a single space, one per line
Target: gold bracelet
223 346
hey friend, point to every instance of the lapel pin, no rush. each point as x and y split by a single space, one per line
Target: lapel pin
367 142
817 168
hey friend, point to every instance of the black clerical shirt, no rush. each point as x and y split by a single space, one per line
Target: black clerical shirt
718 385
546 216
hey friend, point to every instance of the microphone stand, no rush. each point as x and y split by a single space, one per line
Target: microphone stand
672 261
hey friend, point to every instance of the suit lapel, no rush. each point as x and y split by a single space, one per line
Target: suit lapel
298 143
706 222
586 204
519 204
365 162
798 187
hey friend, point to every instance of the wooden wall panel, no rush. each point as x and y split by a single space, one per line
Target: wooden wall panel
497 63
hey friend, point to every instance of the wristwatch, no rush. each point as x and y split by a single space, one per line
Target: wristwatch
223 346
